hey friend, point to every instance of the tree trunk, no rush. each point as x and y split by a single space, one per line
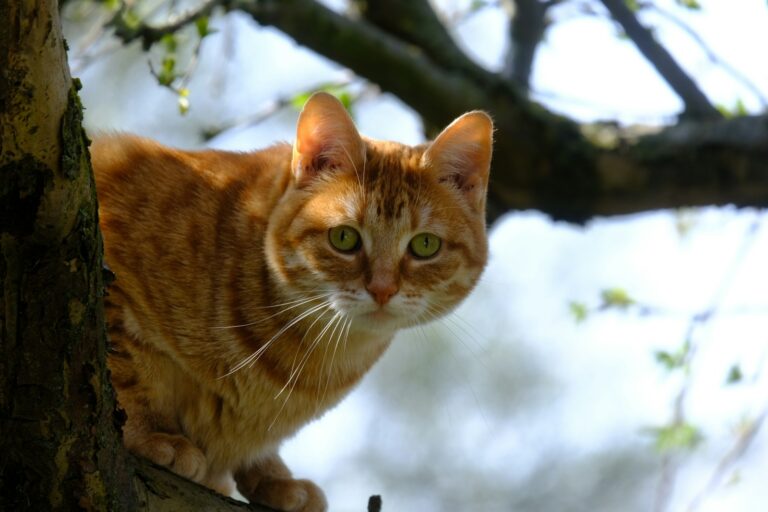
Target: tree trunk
60 447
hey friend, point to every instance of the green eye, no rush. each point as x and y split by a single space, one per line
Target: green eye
425 245
344 238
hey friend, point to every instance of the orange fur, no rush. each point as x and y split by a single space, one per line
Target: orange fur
233 321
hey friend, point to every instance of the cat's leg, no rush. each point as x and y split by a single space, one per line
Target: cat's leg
144 435
173 451
149 432
220 482
269 482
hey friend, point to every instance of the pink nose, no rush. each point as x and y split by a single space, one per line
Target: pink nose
381 291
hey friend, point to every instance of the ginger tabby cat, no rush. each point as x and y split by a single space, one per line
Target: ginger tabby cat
254 290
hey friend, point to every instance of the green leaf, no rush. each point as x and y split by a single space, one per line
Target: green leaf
725 111
169 41
346 99
666 359
131 19
677 436
579 311
740 109
673 360
476 5
632 5
616 298
201 24
693 5
344 96
183 101
734 375
300 99
167 74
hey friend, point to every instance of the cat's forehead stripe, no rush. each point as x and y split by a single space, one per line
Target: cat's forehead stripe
393 179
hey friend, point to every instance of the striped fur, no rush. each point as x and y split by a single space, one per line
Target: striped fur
233 321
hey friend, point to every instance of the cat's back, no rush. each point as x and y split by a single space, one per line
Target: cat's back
131 167
175 221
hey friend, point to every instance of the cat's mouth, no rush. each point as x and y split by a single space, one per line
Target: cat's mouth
380 314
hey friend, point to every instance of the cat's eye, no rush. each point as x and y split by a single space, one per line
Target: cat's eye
425 245
344 238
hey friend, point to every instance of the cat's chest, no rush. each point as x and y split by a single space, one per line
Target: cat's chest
240 423
272 408
253 409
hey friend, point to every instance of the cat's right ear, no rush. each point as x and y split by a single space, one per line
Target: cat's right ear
461 155
326 139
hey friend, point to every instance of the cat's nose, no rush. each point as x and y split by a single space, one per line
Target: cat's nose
382 290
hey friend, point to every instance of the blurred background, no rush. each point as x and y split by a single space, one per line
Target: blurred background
618 365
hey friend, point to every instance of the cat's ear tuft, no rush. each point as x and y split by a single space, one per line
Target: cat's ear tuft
461 156
326 139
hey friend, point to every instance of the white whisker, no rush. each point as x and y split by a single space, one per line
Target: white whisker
296 354
297 373
251 359
333 356
435 311
293 304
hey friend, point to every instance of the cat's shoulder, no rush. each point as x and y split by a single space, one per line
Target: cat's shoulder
117 148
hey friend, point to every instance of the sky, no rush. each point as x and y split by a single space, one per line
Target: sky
511 403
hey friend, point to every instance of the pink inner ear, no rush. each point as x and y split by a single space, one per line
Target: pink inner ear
326 138
461 154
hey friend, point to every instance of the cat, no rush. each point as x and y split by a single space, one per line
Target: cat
254 290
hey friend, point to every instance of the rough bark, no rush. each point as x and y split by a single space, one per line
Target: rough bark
58 438
59 427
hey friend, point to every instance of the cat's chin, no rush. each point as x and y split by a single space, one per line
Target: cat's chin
380 319
380 316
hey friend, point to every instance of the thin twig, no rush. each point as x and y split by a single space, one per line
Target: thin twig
374 503
737 451
150 34
711 55
696 103
275 105
670 467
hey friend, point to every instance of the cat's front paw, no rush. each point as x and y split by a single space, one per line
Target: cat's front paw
175 452
287 495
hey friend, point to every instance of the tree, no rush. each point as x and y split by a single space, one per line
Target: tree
59 425
542 161
58 417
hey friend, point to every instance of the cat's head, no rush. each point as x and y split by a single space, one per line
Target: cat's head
384 234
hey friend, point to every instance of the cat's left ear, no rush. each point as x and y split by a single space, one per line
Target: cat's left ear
326 139
461 155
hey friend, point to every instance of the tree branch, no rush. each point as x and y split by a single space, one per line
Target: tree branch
691 164
162 491
711 55
531 134
526 30
415 22
401 68
149 34
542 161
696 103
